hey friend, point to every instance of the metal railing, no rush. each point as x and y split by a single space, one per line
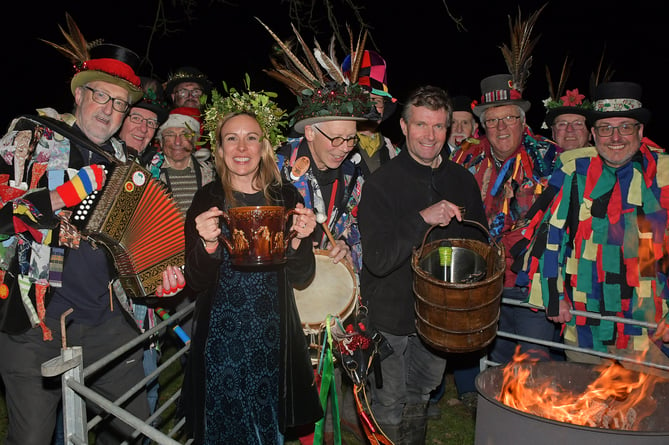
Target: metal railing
75 392
485 362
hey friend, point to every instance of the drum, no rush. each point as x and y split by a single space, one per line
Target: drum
332 291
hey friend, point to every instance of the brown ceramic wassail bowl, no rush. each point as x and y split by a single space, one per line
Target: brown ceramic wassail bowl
257 235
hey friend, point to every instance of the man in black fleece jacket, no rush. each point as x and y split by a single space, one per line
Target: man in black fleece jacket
400 202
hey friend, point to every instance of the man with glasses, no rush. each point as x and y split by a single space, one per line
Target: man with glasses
175 164
184 174
319 165
142 121
566 116
512 166
186 85
137 131
599 242
48 268
415 190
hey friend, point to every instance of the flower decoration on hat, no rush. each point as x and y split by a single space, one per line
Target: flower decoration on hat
270 116
572 98
323 92
572 102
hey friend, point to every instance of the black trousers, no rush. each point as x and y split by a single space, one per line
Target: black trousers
32 400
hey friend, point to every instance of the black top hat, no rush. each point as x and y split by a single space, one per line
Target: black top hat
618 99
462 103
187 74
557 111
499 90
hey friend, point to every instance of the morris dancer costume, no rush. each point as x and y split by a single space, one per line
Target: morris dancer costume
599 240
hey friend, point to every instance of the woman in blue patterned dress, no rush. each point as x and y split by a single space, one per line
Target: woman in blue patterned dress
249 366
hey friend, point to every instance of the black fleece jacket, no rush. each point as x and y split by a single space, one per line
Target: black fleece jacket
391 227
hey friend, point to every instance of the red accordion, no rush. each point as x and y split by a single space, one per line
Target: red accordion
140 224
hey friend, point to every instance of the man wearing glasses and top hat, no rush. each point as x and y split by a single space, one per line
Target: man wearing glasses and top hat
185 86
47 269
598 239
512 166
566 117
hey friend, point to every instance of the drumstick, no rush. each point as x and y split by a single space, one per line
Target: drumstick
321 219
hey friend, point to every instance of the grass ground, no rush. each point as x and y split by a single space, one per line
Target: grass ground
456 425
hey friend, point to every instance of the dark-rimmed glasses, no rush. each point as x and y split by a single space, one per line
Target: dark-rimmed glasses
337 141
508 121
605 131
102 98
184 93
138 119
576 125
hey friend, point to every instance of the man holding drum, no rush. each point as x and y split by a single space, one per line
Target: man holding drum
414 191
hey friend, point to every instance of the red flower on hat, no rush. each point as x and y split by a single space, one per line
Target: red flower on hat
474 103
572 98
515 94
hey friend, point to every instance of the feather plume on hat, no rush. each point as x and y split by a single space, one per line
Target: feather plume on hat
564 74
319 65
563 101
323 91
76 47
518 56
112 63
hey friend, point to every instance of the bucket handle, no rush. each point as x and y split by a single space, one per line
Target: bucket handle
465 221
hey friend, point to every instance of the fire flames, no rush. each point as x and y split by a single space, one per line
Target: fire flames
618 398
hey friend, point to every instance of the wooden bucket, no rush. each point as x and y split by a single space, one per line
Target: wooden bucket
458 317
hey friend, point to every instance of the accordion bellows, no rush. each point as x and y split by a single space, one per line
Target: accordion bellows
140 224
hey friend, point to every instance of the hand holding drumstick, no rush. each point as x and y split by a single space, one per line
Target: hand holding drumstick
338 248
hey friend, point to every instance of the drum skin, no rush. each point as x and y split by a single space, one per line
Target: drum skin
332 291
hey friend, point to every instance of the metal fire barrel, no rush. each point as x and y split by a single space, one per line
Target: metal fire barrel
498 424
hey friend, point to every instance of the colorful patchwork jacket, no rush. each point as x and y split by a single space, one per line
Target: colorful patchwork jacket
599 238
345 223
34 159
509 188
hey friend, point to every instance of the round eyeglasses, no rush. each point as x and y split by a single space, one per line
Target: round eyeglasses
337 141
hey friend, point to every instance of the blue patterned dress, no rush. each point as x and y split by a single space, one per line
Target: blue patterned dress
248 377
242 357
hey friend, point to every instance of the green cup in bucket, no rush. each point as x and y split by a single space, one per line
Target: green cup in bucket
458 287
454 264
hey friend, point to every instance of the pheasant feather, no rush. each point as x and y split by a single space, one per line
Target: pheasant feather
333 70
293 58
76 47
518 56
564 75
357 54
309 55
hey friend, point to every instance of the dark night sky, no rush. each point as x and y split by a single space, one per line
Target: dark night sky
419 41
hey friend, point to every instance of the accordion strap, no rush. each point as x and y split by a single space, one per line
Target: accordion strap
67 131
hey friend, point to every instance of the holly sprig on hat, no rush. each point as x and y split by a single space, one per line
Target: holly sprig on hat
333 99
270 116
